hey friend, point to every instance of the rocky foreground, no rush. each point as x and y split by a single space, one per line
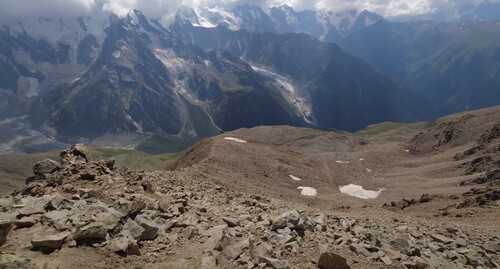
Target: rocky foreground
91 214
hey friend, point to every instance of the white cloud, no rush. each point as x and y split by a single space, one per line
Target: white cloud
157 8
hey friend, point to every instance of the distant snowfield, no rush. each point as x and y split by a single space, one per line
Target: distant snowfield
308 191
235 139
359 192
295 178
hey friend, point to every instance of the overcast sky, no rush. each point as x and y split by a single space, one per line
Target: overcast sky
160 8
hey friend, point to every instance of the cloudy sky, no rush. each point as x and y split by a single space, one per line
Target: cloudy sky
160 8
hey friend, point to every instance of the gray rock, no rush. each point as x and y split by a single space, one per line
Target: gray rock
215 237
50 242
26 222
132 229
34 205
234 251
136 206
6 204
82 151
5 227
110 220
460 242
46 166
441 238
386 260
124 245
332 261
96 231
150 228
280 222
208 262
274 263
231 222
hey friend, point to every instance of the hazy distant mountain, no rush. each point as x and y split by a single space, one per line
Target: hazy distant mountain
78 81
455 65
484 11
342 91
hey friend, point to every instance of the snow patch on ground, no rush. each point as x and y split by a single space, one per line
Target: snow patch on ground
343 162
117 54
235 139
359 192
295 178
308 191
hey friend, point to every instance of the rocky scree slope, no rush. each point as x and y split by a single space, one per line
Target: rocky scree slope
103 216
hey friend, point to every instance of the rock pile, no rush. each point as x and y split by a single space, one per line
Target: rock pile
79 203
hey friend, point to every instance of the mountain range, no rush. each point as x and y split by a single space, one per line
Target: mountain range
161 85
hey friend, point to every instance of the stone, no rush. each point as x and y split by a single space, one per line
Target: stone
208 262
416 265
234 251
274 263
124 245
386 260
215 235
46 166
132 229
460 242
291 217
25 222
8 261
441 238
150 228
231 222
136 206
82 151
5 227
50 242
6 204
110 220
33 205
89 176
96 231
330 260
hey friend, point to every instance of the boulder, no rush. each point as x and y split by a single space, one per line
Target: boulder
274 263
6 203
231 222
132 229
136 206
282 221
34 205
5 227
96 231
124 245
46 166
81 150
150 228
441 238
235 250
50 242
26 222
110 220
330 260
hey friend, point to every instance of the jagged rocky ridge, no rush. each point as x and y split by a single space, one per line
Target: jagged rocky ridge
78 204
